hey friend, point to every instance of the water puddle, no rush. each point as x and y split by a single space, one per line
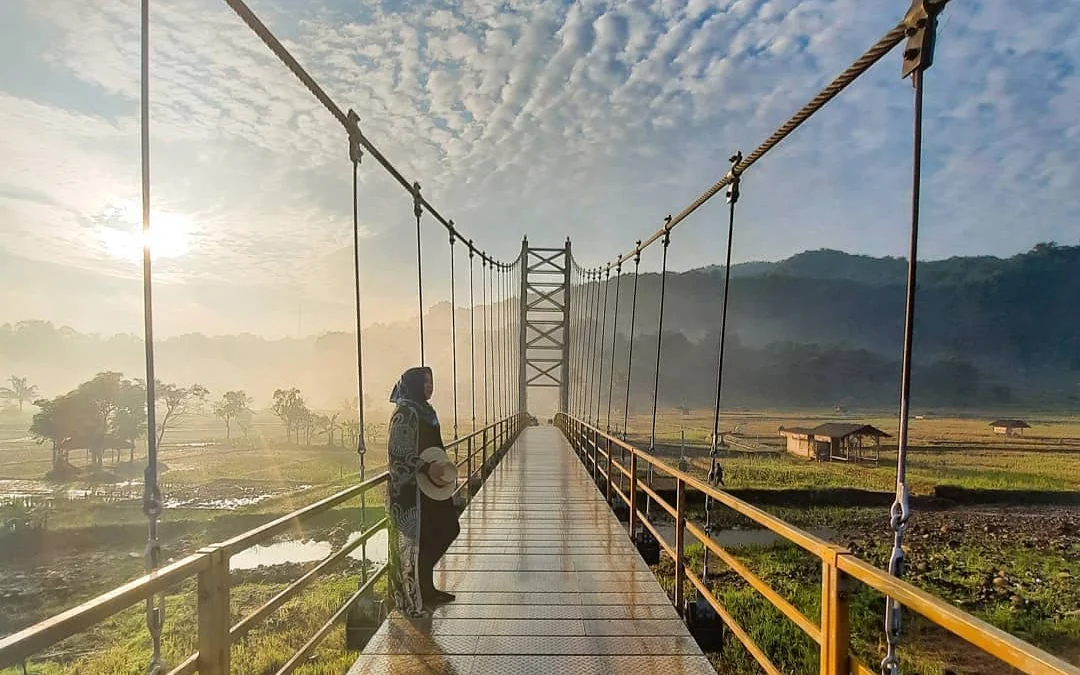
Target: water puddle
36 490
295 551
249 496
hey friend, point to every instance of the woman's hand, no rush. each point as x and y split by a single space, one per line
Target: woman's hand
435 472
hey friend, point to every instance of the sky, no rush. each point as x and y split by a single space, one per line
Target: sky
592 120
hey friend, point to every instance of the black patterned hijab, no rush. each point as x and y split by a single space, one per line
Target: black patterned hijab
409 391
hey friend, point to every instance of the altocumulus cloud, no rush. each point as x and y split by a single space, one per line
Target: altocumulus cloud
593 119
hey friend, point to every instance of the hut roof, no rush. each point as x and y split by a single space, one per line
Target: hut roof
1011 424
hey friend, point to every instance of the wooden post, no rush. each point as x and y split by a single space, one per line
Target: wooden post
213 609
633 494
610 478
680 556
595 456
483 465
468 476
835 629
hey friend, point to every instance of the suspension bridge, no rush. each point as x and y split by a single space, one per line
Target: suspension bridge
562 526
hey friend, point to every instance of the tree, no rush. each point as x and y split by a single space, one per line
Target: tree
58 422
291 409
178 402
107 412
244 420
129 423
328 424
230 407
21 390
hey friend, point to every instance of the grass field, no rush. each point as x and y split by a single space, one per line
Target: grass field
216 489
942 451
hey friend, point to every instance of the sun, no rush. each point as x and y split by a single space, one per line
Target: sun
120 231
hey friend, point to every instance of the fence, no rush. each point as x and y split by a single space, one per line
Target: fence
839 566
478 453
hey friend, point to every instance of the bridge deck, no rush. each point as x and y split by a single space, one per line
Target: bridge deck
546 581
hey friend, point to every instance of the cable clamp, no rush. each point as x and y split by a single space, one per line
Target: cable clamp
921 30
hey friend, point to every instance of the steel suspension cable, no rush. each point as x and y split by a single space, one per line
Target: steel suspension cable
505 344
659 345
576 343
472 336
453 338
355 155
419 211
500 311
860 66
594 311
602 341
496 353
152 504
716 471
630 347
614 335
483 290
585 345
509 338
594 363
500 344
921 25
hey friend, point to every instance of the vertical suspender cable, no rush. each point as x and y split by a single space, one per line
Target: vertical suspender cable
614 335
594 328
659 344
508 332
453 334
418 210
589 323
472 334
572 337
602 340
155 606
630 347
496 339
496 344
716 472
922 28
355 155
484 300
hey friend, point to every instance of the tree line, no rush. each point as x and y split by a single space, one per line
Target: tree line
109 412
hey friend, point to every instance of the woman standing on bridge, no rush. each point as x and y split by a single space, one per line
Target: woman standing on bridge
422 527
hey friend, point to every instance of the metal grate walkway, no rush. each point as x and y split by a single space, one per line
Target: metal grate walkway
547 581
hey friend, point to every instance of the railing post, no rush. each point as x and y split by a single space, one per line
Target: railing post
835 630
484 457
595 456
633 494
213 612
468 476
680 556
607 494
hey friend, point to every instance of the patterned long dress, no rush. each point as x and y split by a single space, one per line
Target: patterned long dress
421 529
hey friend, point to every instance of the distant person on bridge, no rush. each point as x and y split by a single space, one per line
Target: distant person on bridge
423 519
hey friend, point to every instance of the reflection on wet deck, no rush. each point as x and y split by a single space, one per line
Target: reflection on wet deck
546 581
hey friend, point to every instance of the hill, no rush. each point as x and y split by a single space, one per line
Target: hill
820 328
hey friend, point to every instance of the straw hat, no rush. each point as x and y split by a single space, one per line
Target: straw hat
444 470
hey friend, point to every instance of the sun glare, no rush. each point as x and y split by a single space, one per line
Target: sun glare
122 236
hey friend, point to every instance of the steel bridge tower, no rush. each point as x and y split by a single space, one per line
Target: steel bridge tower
545 321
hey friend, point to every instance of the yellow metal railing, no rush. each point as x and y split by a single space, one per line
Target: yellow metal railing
482 450
838 566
